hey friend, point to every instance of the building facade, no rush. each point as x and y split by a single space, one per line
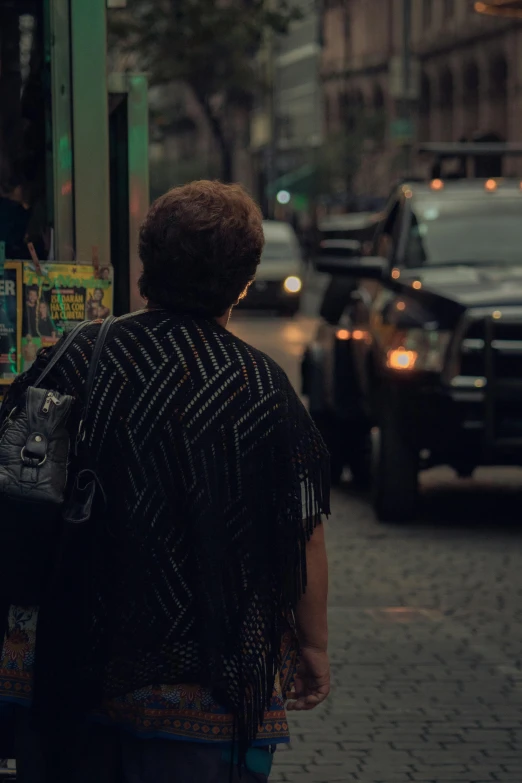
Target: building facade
297 91
287 123
465 76
358 46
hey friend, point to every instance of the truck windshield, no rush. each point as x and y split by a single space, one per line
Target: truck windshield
484 229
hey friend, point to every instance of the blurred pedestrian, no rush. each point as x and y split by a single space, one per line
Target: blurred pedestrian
168 644
14 220
310 239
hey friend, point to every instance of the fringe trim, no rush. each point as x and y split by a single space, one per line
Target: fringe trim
306 513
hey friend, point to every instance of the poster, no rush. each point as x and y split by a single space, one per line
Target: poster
10 321
59 298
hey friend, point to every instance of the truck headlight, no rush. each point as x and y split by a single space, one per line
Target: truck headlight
292 284
418 349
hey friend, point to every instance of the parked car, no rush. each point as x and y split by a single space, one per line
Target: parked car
279 280
421 363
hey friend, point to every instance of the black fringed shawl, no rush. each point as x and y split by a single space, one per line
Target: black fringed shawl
209 463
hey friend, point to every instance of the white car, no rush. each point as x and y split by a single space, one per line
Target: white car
279 280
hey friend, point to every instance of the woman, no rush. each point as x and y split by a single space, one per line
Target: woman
180 626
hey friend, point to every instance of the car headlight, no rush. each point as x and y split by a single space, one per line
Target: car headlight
292 284
418 349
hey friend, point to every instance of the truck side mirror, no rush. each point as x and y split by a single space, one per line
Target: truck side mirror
361 267
345 257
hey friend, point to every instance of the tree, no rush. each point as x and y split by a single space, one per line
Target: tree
210 45
343 152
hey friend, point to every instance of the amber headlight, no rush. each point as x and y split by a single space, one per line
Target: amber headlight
418 349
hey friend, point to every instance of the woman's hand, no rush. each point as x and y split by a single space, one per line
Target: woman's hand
312 682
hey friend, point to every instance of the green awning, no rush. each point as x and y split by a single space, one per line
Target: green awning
302 180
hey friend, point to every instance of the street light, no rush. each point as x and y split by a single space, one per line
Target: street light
512 8
283 197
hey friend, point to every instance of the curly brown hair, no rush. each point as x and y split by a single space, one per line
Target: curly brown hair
200 246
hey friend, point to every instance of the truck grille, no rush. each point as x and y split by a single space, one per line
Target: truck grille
490 359
505 354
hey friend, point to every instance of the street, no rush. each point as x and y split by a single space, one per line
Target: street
425 628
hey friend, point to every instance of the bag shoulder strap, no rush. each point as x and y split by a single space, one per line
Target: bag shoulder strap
57 355
93 366
95 360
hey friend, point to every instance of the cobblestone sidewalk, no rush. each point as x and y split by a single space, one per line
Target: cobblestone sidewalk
426 644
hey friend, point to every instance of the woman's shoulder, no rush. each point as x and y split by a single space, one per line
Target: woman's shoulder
245 351
263 372
204 347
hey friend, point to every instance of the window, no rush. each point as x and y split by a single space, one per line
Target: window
449 8
426 13
327 113
347 26
343 107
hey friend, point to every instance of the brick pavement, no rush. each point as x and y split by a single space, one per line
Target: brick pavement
426 644
432 695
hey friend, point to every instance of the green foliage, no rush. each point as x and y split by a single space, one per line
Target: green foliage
207 44
342 152
167 174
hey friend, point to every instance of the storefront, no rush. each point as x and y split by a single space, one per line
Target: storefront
73 175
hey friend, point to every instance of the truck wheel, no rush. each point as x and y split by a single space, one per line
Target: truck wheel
306 373
360 461
395 472
336 469
326 426
465 471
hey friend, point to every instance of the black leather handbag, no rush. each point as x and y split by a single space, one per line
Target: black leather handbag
36 493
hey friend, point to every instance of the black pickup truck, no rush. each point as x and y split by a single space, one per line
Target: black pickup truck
421 361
